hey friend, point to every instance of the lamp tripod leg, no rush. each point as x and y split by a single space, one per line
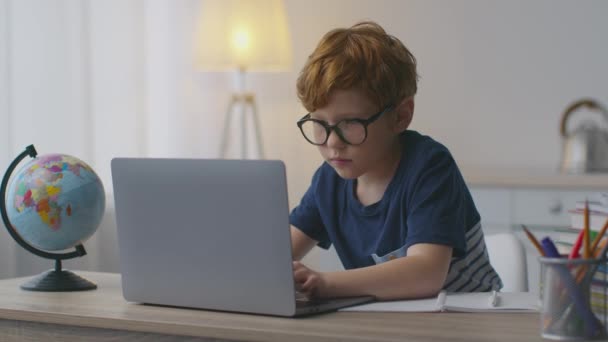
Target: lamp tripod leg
226 129
243 129
256 125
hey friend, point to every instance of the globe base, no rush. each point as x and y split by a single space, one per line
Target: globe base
58 281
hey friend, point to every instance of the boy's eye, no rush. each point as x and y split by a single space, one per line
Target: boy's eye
349 122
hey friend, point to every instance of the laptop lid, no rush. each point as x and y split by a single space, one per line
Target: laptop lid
210 234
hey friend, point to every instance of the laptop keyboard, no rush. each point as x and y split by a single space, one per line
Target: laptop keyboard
303 301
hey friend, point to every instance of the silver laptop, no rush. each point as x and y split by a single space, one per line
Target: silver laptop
209 234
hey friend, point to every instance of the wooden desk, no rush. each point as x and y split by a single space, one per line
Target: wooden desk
103 315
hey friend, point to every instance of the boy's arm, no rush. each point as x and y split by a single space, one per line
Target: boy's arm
301 244
421 273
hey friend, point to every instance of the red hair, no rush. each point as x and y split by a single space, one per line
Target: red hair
363 57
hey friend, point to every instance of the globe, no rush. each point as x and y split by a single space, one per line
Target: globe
55 202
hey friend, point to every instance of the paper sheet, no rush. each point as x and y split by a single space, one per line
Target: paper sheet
459 302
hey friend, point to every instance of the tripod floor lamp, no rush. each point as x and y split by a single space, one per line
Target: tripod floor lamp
242 36
245 103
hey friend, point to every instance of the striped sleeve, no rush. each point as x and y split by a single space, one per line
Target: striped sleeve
473 271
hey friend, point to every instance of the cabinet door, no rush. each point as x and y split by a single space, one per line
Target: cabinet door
494 206
545 207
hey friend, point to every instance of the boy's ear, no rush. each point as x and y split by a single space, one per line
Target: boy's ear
404 112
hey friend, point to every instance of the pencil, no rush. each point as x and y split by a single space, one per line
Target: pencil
534 240
598 237
586 239
594 267
575 252
581 272
494 299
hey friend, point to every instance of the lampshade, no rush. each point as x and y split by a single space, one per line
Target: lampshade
243 34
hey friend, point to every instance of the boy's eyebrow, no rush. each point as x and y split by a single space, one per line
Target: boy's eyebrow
338 117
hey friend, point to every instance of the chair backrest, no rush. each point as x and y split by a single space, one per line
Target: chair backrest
508 256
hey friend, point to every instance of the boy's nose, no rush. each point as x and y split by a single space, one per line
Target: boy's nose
334 140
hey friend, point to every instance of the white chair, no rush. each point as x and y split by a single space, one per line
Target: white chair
508 256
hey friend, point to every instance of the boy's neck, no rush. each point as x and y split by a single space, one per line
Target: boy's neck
371 186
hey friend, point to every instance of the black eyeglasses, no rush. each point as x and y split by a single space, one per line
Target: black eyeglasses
350 131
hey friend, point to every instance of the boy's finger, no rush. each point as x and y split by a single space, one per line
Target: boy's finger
298 287
309 284
299 274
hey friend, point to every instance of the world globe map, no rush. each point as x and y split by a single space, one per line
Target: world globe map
55 202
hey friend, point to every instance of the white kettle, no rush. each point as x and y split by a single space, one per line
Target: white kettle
585 148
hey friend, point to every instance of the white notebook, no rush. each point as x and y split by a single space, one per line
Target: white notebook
460 302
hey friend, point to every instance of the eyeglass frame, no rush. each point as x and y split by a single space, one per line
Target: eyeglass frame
329 128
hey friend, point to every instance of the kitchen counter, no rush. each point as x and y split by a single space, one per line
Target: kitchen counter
532 178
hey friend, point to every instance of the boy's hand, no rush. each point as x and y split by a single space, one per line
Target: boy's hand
309 282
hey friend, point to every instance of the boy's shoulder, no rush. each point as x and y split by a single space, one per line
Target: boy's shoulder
421 151
415 142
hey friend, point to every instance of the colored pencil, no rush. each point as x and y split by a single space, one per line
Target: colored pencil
580 275
575 252
534 241
598 237
586 239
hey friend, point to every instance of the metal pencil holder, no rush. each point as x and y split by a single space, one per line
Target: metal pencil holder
573 294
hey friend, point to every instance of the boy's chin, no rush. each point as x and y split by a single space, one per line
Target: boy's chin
346 174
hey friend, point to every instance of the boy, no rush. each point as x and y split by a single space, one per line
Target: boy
391 201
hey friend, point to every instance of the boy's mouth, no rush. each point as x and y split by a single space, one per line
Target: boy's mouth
340 161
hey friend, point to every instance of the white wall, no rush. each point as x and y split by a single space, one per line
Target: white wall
496 76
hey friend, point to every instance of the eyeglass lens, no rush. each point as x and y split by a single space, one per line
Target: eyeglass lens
353 132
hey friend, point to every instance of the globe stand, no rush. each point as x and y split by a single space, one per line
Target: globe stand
55 280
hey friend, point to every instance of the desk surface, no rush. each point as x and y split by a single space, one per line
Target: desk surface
105 310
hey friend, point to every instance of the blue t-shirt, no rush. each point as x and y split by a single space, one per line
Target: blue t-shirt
427 201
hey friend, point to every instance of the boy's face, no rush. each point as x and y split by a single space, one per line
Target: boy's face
353 161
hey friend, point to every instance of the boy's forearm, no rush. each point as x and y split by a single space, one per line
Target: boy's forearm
408 277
